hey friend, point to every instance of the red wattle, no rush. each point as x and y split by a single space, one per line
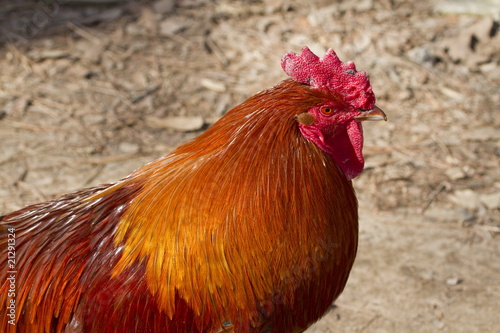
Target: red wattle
345 146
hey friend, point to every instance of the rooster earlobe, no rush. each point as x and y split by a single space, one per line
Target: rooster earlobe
305 119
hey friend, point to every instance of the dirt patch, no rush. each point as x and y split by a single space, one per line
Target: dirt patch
89 92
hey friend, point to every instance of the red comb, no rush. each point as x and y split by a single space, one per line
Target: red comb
331 73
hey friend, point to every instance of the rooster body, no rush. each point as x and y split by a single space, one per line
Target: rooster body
251 227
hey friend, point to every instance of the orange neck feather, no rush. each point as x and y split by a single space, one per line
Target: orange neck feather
229 219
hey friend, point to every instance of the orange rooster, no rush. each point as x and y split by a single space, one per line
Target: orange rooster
251 227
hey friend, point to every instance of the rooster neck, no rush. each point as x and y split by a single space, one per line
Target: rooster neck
250 213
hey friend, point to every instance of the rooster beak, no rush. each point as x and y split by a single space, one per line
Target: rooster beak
374 114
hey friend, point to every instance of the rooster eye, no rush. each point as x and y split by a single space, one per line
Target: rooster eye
327 111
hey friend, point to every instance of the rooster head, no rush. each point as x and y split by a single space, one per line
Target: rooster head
335 125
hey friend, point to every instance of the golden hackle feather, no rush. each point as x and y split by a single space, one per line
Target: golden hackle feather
248 210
